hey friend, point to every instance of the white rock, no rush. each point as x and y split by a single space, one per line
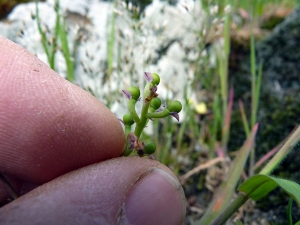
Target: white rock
165 40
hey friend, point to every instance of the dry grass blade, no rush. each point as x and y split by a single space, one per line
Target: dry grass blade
200 167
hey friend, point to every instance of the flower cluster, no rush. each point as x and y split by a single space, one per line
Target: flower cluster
151 109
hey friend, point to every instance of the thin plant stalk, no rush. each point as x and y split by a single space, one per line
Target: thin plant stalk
217 122
110 50
232 208
51 47
44 39
182 129
166 149
255 93
66 50
289 212
223 71
181 133
56 34
183 126
254 89
155 137
227 119
111 43
244 118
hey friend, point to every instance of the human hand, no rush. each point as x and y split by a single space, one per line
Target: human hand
54 133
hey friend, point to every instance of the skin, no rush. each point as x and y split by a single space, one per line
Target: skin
60 148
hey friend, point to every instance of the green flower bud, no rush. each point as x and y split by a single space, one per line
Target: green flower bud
150 148
135 92
155 103
127 119
174 106
156 79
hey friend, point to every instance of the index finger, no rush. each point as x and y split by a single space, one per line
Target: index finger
48 126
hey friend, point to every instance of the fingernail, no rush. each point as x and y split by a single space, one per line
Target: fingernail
157 198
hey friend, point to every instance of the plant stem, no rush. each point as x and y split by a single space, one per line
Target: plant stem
131 109
140 122
289 212
66 50
244 118
56 34
141 125
223 71
254 104
111 43
230 210
160 114
127 151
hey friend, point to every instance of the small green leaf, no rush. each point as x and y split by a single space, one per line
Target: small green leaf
260 185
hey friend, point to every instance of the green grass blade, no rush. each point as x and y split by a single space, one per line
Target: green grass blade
260 185
244 118
253 77
53 47
111 43
227 119
289 212
66 51
288 146
258 86
42 33
216 124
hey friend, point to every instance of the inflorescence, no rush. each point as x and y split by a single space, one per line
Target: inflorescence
151 110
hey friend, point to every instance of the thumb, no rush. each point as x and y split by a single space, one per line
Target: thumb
127 190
